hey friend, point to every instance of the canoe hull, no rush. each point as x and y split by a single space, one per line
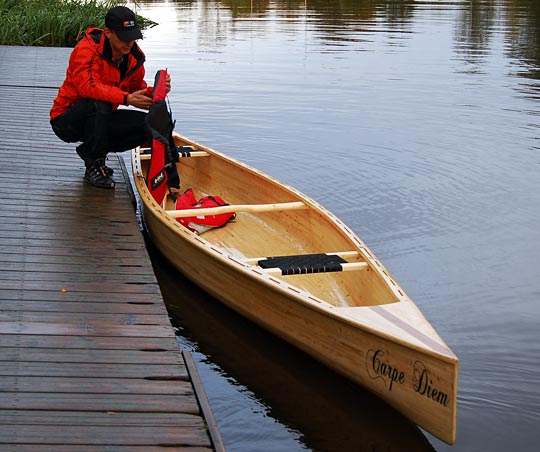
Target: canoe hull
420 382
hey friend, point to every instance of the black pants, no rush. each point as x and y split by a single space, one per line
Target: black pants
100 129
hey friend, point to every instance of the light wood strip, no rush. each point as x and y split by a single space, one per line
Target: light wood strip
251 208
191 154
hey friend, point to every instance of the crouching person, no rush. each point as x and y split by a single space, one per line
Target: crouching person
106 70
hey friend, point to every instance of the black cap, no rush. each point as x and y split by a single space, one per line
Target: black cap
124 23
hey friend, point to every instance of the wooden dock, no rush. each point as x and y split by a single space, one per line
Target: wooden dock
88 356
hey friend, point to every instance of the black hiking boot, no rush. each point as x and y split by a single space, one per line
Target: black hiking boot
81 152
98 175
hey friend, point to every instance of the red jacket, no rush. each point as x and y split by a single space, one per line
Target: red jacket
92 74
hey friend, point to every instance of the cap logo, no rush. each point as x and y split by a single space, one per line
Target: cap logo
128 23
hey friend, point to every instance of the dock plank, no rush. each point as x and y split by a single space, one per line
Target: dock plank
103 435
50 369
66 306
88 342
65 296
96 448
85 329
148 356
87 385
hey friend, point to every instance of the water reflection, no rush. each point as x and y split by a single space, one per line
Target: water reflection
523 40
478 23
474 30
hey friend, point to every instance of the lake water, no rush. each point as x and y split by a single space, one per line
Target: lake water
415 122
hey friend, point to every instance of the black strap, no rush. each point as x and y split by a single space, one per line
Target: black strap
304 263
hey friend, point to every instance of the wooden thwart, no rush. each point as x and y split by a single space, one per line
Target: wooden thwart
191 154
252 208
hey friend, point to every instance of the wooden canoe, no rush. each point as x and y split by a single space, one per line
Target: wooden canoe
358 321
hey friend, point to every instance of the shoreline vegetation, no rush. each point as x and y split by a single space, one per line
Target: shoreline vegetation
54 23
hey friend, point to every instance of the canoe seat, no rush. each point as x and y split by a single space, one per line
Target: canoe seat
304 263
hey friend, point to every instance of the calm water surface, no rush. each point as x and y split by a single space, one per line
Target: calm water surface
417 123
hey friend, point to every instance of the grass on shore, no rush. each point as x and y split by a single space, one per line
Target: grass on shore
53 23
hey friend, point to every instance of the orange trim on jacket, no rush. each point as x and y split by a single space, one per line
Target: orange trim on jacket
92 74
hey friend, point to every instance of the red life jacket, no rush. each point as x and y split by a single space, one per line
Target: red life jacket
202 223
162 174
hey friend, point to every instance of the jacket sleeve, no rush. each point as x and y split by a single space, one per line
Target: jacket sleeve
86 67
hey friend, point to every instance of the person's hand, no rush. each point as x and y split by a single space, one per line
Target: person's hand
139 99
168 83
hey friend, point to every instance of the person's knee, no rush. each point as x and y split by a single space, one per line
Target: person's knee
66 132
102 108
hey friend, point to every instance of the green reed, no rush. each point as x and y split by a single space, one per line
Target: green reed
53 23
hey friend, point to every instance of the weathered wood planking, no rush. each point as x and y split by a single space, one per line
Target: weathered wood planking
88 357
